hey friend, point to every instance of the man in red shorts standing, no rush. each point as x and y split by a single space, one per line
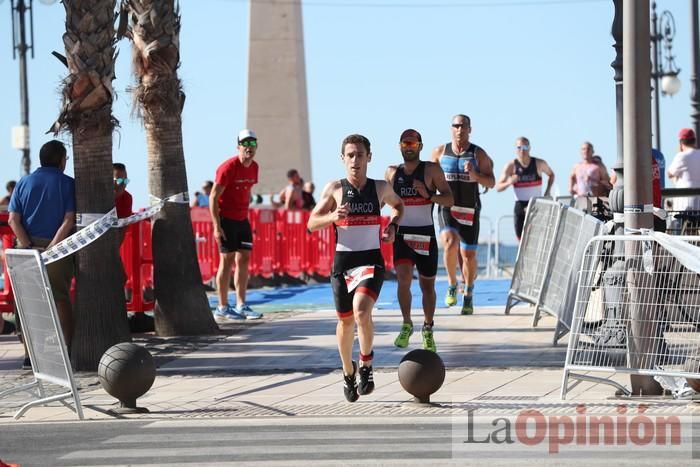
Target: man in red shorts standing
228 202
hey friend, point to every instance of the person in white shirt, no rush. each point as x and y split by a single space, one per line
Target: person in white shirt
685 170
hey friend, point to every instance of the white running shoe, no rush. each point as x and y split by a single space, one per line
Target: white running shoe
227 313
248 313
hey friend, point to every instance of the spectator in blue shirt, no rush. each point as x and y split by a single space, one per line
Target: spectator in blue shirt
201 199
42 213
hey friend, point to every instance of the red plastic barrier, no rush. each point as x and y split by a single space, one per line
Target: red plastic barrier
264 259
137 256
281 245
6 297
321 249
293 241
207 248
387 248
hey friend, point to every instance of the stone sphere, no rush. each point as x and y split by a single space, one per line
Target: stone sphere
421 373
126 371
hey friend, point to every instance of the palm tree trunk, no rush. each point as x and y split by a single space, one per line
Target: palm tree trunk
100 305
182 307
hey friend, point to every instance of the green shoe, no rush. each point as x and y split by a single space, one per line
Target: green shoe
405 333
451 297
467 306
428 341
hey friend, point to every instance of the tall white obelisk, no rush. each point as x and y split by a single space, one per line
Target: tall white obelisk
277 105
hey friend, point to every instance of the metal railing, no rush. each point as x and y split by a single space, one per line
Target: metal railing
489 251
637 312
682 207
503 269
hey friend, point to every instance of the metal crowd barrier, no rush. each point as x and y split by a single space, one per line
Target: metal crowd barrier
637 311
545 273
683 222
488 223
529 273
682 210
42 334
559 289
500 265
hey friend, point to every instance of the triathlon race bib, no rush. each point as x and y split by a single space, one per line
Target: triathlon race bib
354 276
464 216
418 243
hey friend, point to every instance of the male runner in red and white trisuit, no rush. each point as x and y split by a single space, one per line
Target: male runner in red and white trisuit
419 184
353 205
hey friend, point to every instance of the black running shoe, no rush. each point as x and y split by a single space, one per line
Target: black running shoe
8 327
350 385
366 380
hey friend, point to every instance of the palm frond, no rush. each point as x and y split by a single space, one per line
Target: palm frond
154 28
90 53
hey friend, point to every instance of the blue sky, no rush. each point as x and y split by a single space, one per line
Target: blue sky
539 68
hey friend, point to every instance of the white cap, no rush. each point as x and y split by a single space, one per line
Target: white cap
246 134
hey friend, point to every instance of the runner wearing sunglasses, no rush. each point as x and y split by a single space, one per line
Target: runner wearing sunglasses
228 203
353 205
419 184
524 174
466 166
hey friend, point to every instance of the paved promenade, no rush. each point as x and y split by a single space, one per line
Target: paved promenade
270 393
287 365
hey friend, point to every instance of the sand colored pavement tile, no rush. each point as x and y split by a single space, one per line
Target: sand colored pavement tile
290 365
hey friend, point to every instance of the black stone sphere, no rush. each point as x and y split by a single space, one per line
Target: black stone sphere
127 371
421 373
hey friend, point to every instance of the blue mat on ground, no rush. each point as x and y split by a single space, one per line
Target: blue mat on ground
493 292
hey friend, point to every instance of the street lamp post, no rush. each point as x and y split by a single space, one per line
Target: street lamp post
642 331
665 77
20 48
695 66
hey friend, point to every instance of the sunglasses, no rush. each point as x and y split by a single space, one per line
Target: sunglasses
121 181
523 147
460 125
249 143
410 144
